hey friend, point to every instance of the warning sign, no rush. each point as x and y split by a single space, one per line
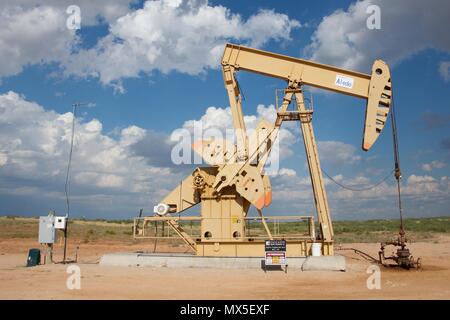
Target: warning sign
275 253
275 245
275 258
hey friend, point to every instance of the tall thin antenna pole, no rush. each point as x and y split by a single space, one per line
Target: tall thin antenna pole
66 187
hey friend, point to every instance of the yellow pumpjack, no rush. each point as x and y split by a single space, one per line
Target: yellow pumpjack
235 178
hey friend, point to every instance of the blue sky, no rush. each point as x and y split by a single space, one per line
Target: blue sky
126 60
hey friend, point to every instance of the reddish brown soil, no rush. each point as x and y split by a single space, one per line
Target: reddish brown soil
97 282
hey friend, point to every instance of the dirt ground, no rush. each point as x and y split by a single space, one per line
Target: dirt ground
98 282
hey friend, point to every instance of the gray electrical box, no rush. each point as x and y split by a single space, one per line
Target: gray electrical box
60 222
47 229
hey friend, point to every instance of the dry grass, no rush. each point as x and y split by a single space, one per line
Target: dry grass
85 231
82 230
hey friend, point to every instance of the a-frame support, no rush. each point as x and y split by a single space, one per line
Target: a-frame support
305 117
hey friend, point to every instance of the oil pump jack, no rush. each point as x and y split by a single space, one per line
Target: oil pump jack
235 178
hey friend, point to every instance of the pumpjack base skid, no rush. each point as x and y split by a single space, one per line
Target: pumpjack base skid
297 245
294 248
176 260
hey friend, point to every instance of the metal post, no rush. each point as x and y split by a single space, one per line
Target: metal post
312 157
66 187
49 253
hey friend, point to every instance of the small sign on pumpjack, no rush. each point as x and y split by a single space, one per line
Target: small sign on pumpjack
275 254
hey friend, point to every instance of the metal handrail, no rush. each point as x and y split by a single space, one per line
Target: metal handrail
273 220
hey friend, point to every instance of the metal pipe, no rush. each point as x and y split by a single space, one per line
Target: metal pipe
67 184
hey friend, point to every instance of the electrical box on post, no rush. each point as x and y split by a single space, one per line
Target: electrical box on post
60 222
47 229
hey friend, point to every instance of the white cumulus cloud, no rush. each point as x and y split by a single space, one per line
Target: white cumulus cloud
34 33
435 164
23 31
444 70
338 152
170 36
218 122
407 27
295 192
185 36
34 147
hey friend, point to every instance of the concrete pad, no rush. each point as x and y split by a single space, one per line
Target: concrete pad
324 263
159 260
188 261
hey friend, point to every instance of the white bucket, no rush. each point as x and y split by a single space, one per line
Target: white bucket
316 249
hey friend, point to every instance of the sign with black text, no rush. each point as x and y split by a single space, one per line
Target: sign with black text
275 253
275 245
